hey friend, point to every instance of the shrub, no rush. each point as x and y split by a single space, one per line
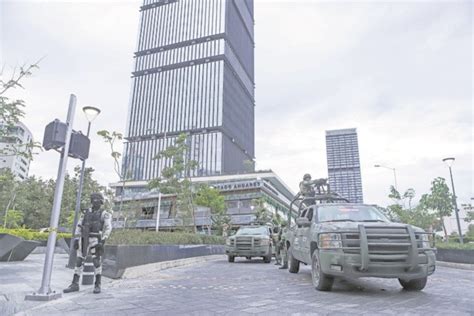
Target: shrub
29 234
138 237
454 245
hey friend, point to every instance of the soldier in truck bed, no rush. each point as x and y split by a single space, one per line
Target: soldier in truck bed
93 229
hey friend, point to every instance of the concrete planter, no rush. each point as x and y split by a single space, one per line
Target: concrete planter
62 246
118 258
455 255
14 248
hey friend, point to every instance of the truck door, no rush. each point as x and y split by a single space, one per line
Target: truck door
297 246
306 238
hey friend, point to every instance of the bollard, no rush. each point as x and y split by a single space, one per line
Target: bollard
88 271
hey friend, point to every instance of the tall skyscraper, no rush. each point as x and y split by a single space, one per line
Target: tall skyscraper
194 74
343 164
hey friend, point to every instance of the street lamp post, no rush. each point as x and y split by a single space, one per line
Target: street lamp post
449 162
157 223
394 174
91 113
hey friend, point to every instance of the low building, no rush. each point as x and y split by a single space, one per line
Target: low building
239 190
18 136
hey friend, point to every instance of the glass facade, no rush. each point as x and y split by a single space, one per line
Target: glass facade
344 164
194 74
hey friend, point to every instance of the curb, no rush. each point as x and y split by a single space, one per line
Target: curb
146 269
454 265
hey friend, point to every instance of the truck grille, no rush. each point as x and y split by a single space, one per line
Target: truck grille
246 243
385 244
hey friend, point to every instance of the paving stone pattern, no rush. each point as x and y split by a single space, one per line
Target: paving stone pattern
253 287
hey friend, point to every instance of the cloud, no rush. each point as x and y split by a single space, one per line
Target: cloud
400 72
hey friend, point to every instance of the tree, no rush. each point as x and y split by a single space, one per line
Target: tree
175 179
111 139
11 112
470 231
262 214
8 185
34 198
418 216
210 197
277 220
439 200
469 212
13 219
249 165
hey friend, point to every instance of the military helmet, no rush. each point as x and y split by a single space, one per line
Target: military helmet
98 196
307 176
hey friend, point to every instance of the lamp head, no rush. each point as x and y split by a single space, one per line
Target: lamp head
449 161
90 112
377 166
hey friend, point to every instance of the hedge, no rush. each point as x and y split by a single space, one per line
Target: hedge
138 237
455 245
29 234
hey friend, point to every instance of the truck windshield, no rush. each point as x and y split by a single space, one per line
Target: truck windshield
252 231
350 213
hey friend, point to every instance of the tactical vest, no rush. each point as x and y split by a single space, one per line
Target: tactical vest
92 223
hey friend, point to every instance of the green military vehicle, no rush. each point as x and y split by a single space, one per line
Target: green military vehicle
341 239
251 241
357 240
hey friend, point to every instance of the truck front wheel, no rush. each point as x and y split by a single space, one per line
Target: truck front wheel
294 265
321 281
230 258
414 285
268 258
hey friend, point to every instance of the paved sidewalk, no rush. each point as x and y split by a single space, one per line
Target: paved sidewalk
253 287
24 277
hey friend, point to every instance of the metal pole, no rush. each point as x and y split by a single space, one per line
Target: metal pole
45 292
456 211
72 252
157 227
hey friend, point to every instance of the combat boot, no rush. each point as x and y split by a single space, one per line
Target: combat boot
74 287
97 283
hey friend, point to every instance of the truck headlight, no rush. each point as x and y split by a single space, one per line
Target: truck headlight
426 241
330 241
265 242
229 242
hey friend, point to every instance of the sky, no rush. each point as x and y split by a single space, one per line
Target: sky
398 71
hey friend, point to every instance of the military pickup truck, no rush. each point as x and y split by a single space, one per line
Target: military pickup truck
358 240
251 241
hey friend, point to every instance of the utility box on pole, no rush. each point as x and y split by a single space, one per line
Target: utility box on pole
80 145
54 135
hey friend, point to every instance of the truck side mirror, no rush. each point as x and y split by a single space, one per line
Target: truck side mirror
303 222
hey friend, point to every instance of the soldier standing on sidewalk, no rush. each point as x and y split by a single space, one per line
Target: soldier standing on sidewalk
282 236
93 229
276 242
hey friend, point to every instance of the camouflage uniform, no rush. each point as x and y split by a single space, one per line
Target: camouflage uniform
93 229
282 236
306 187
276 242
